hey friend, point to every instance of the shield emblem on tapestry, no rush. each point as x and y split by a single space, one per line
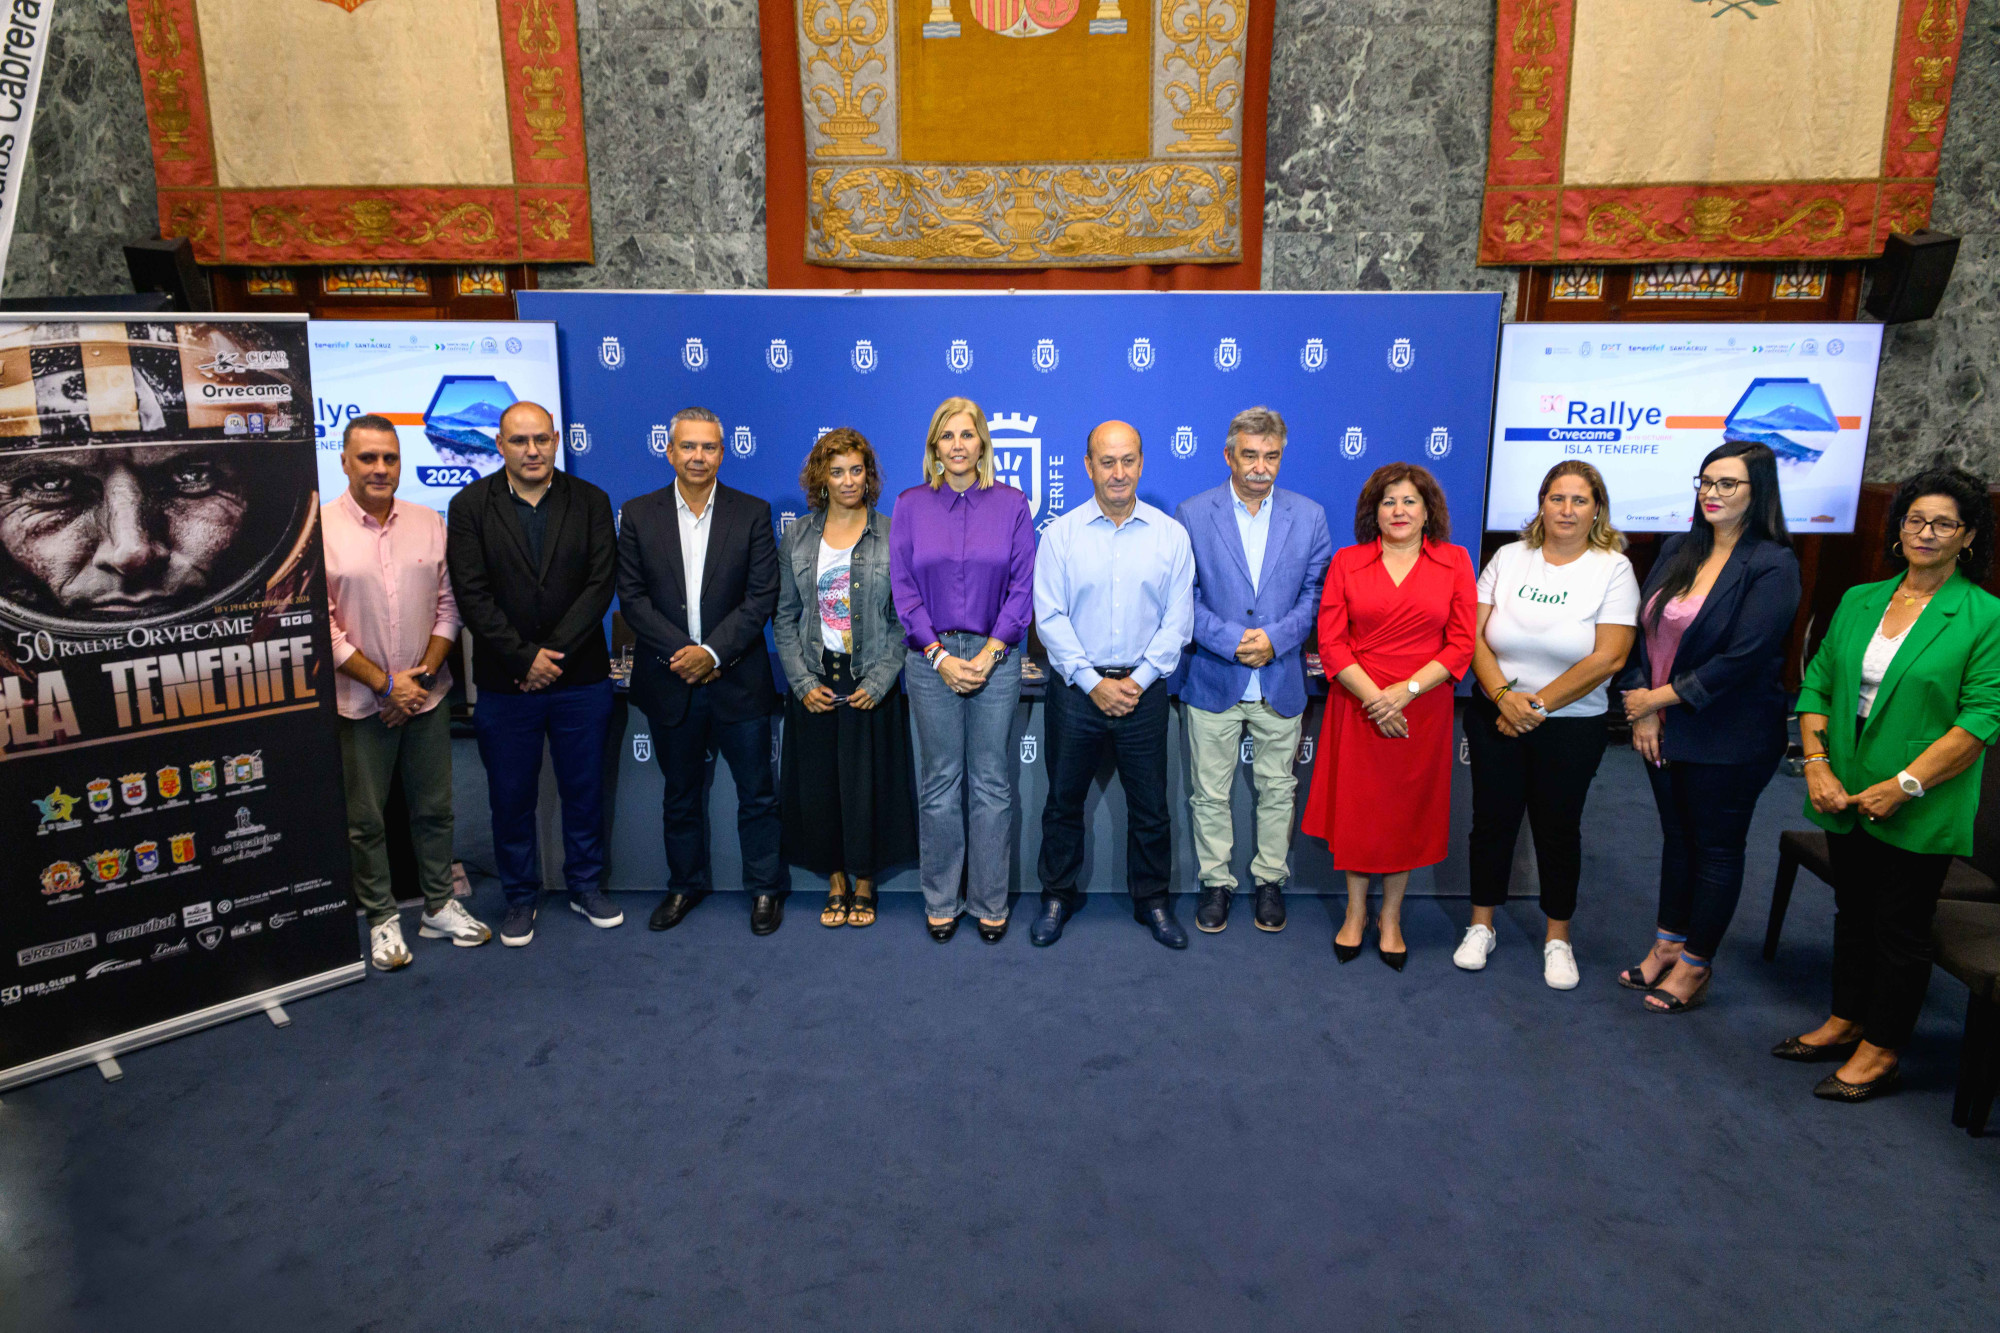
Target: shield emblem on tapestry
1023 18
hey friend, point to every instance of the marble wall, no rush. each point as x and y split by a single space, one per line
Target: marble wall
1376 157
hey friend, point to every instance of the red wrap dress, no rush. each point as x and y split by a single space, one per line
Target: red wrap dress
1384 805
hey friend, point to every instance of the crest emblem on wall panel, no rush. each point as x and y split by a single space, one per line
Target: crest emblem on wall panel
579 438
1312 357
1140 358
1401 355
959 356
778 356
1046 355
694 355
863 356
611 353
1023 18
1228 355
1017 461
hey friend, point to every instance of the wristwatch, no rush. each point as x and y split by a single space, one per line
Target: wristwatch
1001 654
426 679
1909 784
1415 689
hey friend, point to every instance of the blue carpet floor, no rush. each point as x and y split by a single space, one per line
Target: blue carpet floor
864 1130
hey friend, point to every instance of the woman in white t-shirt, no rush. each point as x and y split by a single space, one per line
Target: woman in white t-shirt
1557 612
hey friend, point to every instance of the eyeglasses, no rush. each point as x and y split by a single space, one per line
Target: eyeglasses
539 441
1945 528
1722 486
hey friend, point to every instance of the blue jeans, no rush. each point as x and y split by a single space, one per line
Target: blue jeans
965 782
1705 813
511 730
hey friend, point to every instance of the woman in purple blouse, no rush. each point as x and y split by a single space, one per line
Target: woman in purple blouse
962 566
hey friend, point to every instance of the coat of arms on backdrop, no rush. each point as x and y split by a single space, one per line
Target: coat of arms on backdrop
1023 133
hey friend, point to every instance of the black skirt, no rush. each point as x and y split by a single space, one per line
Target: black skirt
847 782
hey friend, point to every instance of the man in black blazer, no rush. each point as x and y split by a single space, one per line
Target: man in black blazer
532 555
698 581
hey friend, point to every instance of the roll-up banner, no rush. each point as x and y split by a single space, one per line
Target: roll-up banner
1362 379
24 50
170 796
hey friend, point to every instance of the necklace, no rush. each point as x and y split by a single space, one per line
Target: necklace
1912 598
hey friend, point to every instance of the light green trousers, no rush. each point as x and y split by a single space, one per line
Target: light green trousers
1215 743
370 754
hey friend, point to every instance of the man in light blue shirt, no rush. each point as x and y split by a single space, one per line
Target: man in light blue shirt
1114 604
1260 558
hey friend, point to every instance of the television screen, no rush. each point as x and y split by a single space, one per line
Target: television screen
443 384
1646 403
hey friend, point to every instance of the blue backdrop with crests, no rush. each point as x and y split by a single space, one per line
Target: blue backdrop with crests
1361 379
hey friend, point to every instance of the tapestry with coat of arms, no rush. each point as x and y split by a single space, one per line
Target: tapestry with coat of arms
336 131
1011 134
1645 130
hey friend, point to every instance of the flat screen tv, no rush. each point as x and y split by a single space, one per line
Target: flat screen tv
1646 402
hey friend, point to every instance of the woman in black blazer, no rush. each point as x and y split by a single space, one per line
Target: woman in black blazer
1707 708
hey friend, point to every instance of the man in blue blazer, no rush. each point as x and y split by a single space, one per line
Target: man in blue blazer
1260 556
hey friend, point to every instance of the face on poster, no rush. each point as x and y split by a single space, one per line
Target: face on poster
443 384
1646 403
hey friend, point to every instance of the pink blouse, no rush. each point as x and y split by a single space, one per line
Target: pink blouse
1663 640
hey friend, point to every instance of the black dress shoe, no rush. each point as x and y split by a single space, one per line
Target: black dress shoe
1213 914
1806 1053
1165 929
1271 907
1837 1089
993 934
767 913
941 933
1048 927
672 908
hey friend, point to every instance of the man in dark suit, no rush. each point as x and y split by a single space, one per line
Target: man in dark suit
532 554
697 581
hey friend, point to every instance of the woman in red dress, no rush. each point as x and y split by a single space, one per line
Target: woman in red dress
1395 630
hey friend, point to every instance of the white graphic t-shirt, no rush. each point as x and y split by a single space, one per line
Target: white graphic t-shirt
1545 617
836 610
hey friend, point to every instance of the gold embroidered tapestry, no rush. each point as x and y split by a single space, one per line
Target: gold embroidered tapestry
337 131
1643 130
968 134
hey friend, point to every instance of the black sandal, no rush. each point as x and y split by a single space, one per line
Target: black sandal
1634 978
1673 1004
861 912
835 912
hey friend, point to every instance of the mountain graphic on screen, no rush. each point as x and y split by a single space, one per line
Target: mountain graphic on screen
1771 406
463 421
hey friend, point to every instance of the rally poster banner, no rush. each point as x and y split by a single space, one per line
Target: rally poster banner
170 798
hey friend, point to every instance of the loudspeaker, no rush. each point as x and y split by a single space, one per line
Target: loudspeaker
1910 276
168 266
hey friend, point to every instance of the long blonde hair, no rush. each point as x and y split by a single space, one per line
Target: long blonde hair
1603 537
946 410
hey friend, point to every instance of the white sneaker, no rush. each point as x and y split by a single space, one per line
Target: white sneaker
1559 965
452 922
386 947
1472 950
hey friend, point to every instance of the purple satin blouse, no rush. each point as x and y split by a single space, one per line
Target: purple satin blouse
962 561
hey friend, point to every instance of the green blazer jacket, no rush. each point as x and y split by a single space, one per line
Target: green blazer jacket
1946 673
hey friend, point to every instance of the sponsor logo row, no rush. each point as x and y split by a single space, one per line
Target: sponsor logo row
207 921
110 868
865 358
57 810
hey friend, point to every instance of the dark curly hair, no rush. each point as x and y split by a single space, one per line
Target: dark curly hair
1437 519
840 440
1975 510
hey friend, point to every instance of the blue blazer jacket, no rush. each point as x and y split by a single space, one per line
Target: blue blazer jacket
1733 705
1285 604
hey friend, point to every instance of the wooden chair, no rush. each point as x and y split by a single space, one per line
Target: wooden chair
1968 946
1974 880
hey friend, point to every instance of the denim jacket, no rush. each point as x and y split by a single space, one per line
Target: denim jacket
878 634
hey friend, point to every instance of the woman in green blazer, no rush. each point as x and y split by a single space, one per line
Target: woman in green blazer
1914 662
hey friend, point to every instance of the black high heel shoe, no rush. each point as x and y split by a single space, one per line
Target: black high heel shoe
1394 958
1347 953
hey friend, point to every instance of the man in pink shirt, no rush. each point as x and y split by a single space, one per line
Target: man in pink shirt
389 599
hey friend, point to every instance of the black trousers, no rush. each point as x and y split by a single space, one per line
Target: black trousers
1884 899
1545 774
1078 731
745 746
1705 812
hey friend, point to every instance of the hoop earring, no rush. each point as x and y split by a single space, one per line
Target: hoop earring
1898 547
